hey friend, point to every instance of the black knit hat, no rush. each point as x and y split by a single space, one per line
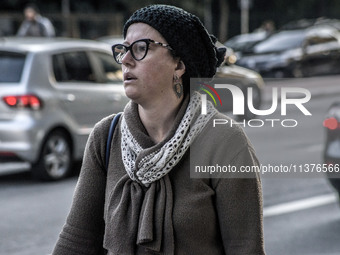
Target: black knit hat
185 33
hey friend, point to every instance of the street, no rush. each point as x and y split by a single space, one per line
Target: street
301 213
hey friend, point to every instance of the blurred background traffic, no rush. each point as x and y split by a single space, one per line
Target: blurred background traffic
58 78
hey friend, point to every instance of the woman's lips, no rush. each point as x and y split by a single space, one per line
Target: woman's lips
129 77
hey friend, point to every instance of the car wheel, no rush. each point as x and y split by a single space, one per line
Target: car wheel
297 71
279 74
55 160
256 97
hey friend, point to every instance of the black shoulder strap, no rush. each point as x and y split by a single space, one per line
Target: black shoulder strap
109 139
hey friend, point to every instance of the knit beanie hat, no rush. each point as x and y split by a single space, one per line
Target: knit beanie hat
185 33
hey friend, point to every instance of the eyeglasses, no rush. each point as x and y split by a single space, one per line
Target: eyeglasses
138 49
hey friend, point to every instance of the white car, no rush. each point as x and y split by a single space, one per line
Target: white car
52 92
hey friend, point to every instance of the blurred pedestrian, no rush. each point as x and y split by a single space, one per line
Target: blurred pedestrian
267 26
34 24
145 201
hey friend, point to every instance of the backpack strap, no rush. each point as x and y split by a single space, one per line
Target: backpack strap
109 139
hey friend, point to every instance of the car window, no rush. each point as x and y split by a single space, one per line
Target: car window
245 41
111 72
281 41
11 67
321 40
72 67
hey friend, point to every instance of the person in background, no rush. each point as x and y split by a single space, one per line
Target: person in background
267 26
145 201
34 24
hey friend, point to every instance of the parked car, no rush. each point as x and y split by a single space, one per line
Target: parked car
309 23
245 42
331 153
52 92
232 74
296 53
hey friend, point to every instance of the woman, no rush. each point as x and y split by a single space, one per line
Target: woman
146 202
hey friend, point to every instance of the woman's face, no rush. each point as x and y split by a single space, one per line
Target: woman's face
150 79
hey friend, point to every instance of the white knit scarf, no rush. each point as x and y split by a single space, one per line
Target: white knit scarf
157 164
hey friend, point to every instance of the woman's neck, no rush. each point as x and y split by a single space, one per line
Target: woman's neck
158 119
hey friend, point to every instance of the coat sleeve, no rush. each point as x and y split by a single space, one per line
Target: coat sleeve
84 228
23 29
48 27
238 204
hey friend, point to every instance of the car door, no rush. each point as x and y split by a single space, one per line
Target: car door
83 94
109 87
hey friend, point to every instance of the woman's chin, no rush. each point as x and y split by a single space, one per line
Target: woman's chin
131 94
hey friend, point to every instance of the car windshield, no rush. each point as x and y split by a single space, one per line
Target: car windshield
281 41
11 66
245 41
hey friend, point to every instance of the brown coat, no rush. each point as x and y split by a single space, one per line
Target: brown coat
209 215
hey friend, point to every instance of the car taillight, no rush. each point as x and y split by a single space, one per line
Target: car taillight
23 101
331 123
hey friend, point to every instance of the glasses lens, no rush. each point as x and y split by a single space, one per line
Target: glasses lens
139 49
119 51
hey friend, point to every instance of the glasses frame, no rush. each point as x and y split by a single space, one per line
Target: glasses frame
129 48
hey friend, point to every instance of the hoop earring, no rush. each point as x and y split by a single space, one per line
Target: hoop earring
178 87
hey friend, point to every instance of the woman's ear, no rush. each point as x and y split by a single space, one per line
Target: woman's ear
180 69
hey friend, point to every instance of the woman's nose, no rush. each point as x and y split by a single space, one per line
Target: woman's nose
127 59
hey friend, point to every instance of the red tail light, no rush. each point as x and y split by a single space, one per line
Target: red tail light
331 123
24 101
